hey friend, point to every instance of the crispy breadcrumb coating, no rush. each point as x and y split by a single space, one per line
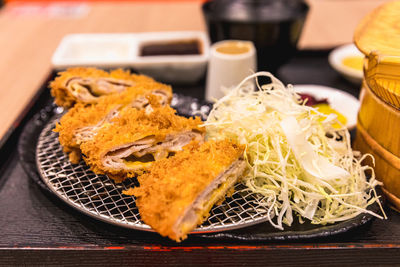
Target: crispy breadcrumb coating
85 115
172 184
78 117
132 125
63 96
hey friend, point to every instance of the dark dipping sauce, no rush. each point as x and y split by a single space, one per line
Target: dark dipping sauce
181 47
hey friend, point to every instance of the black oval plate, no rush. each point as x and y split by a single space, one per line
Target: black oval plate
188 106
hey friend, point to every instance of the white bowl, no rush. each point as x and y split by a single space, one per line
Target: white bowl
335 60
339 100
123 50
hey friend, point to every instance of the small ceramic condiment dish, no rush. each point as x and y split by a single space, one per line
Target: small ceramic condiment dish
179 68
339 100
99 50
336 58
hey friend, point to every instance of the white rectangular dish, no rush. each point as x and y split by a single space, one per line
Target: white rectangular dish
103 50
124 50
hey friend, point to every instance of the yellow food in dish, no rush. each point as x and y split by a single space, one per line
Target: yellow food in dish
326 109
354 62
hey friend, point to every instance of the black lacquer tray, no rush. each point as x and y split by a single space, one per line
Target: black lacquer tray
187 106
39 229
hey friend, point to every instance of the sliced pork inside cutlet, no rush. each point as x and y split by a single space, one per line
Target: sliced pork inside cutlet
198 211
87 90
86 133
133 140
178 193
82 122
87 85
146 150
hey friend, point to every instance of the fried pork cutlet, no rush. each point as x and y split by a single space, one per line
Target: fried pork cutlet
86 85
133 140
83 121
177 193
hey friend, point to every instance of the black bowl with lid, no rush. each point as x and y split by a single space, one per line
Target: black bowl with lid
274 26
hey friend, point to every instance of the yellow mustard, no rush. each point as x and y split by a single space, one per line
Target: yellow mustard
354 62
326 109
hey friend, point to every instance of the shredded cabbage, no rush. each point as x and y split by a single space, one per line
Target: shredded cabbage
295 157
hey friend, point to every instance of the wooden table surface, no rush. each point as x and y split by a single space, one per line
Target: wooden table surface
29 34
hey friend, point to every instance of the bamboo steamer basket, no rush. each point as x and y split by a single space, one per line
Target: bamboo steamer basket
380 120
378 124
378 37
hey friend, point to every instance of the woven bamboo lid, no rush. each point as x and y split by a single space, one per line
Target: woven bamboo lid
378 37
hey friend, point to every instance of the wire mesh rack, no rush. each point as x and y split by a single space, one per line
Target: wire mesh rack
99 197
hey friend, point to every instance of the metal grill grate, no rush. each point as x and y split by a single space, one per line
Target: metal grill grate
99 197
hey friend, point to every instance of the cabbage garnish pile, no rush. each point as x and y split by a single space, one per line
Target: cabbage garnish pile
296 159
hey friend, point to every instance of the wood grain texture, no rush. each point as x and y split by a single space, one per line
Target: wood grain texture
333 22
207 257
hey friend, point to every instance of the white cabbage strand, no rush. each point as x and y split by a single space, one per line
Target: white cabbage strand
296 159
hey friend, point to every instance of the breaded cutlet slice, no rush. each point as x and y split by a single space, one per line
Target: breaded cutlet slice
177 193
86 85
83 121
134 139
